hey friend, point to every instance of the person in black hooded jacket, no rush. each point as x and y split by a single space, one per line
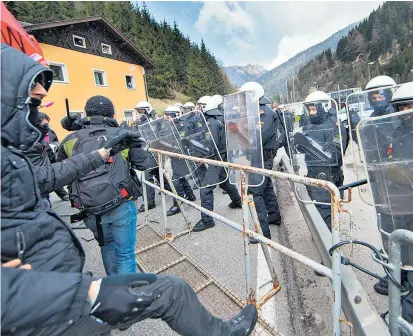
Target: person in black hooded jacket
54 297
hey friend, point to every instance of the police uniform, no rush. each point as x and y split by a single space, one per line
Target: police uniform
326 133
215 174
265 200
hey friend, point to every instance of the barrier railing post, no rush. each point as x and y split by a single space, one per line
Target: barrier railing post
145 198
245 217
162 185
267 253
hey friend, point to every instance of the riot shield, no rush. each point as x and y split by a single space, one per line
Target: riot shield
316 149
361 106
389 166
142 126
196 140
243 135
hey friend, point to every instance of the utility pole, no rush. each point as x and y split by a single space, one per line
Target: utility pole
293 90
368 67
339 97
397 78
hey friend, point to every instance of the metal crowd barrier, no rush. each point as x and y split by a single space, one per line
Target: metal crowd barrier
248 209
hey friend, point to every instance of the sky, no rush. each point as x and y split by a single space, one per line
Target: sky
260 32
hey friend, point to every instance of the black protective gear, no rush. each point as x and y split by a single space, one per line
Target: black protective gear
125 140
99 105
34 104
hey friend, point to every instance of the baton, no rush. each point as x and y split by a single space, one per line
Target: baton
352 185
68 110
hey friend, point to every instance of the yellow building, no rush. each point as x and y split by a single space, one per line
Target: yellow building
90 57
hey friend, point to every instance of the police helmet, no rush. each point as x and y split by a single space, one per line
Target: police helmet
379 82
189 106
143 107
403 97
201 103
258 91
320 100
173 111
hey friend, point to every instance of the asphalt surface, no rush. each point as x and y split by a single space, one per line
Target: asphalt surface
302 307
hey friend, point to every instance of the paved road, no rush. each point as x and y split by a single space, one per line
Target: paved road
302 305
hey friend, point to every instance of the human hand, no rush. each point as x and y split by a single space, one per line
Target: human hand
17 263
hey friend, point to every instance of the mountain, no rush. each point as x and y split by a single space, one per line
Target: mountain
274 81
239 75
381 44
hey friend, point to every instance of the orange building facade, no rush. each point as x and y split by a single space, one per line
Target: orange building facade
86 64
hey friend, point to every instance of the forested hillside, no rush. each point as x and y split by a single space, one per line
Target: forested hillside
385 38
181 65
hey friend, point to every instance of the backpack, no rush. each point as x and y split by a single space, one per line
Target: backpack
108 186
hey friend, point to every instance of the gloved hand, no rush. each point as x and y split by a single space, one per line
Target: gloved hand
124 140
70 124
122 298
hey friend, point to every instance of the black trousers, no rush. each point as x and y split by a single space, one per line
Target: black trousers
178 306
207 194
265 200
149 176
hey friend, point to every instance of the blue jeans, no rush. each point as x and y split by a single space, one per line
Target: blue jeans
119 236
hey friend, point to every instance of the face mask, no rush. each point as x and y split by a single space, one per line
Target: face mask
34 112
44 129
381 109
316 119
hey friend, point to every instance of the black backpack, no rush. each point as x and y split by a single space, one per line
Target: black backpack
108 186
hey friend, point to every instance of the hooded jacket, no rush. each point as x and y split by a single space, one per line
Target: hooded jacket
30 229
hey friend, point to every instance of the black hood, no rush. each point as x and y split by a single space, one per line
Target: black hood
17 73
214 112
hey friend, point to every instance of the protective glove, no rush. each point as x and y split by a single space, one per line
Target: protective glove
124 140
122 298
70 124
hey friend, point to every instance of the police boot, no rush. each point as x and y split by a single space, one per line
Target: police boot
150 207
243 324
382 287
255 241
235 205
201 226
173 211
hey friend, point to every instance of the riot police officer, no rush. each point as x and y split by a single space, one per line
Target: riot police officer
273 137
189 107
179 167
400 149
214 118
380 97
144 114
324 134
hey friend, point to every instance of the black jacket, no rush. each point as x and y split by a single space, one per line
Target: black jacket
30 229
216 125
272 129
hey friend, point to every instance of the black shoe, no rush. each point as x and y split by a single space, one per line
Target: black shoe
255 241
150 207
244 323
235 205
201 226
276 222
382 287
65 197
173 211
191 198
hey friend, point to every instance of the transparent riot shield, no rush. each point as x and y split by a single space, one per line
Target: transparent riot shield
243 135
196 140
361 106
143 127
316 149
389 166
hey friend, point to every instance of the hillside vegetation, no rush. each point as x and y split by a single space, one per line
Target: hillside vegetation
181 65
385 38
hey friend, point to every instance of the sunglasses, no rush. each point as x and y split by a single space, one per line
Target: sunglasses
40 79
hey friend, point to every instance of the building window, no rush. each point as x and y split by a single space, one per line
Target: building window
79 41
128 114
130 82
100 77
106 49
59 72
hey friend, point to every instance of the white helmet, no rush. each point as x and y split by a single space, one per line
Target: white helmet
143 105
173 111
178 104
218 98
201 103
403 97
212 103
254 87
320 99
379 82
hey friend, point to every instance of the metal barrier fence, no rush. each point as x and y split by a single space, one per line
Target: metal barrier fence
248 209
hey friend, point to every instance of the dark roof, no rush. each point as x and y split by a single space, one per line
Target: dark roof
40 26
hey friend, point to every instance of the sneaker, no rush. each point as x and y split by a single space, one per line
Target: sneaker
244 323
201 226
150 207
235 205
173 211
191 198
